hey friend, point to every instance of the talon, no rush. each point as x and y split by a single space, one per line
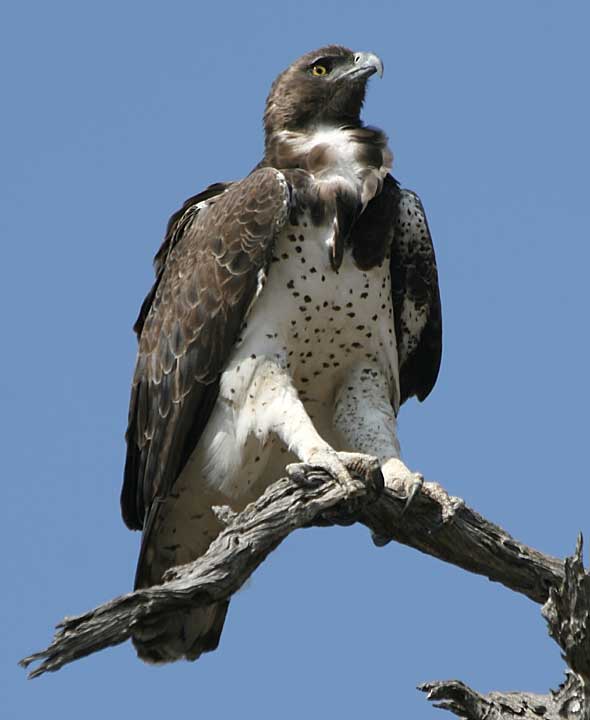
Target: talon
418 481
404 483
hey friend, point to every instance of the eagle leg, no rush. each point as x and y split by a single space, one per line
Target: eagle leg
365 417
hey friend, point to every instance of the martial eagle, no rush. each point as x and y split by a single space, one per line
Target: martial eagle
293 312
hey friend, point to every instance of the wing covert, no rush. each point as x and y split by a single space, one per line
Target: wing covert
206 279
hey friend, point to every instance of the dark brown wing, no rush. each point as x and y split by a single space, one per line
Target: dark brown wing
175 229
416 298
395 219
207 276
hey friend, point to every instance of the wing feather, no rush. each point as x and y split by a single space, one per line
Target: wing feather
394 222
206 279
416 299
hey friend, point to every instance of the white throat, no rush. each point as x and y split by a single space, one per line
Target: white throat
331 154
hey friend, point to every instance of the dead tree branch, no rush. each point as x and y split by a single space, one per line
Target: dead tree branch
466 703
435 523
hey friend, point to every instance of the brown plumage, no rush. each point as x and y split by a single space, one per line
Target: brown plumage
322 172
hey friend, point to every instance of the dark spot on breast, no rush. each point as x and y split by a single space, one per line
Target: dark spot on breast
298 249
291 284
306 298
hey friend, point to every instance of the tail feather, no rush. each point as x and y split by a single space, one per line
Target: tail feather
184 635
171 538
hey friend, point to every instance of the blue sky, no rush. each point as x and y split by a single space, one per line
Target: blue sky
113 113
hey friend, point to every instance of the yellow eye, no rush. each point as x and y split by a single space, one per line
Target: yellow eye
319 70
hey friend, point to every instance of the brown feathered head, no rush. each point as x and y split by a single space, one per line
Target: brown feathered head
324 87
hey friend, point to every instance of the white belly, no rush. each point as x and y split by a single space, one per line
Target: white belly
315 324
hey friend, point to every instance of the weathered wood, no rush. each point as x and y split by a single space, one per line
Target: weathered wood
443 526
435 523
567 612
565 704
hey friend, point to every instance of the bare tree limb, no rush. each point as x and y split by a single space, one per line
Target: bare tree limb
565 704
435 523
567 612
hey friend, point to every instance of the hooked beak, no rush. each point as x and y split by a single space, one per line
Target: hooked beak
365 65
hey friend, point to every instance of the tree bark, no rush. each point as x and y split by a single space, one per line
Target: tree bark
435 523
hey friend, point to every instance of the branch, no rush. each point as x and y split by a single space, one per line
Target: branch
466 703
567 612
435 523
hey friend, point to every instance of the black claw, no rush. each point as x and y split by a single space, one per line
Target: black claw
412 494
378 481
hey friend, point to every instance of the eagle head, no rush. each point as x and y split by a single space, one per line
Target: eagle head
325 87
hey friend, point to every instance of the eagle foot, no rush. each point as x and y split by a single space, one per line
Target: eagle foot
360 475
449 504
402 481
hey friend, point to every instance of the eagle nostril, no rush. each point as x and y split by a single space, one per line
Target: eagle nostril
357 58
